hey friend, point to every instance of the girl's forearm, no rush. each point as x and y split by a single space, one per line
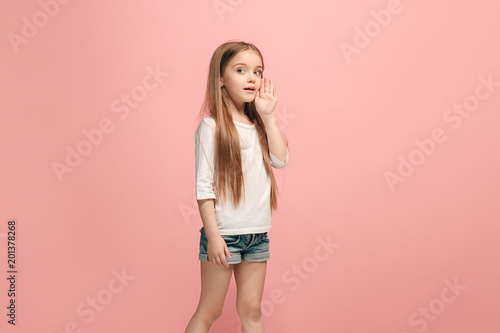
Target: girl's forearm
207 212
276 142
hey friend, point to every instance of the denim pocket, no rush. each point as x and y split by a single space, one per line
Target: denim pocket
231 239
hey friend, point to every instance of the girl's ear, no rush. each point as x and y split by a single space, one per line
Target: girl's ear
221 83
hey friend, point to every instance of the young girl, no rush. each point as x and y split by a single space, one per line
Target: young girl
235 148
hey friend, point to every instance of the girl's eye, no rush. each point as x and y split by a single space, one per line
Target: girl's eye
241 69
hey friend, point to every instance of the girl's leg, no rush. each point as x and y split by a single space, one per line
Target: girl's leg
214 284
250 277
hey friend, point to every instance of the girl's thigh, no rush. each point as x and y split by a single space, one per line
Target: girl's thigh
250 278
214 285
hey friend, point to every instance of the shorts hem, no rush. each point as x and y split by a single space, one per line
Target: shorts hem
236 259
257 257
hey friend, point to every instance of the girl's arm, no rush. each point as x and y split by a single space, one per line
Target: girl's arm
265 102
204 169
277 144
217 249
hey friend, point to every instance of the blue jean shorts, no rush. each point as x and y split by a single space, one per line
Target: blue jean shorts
248 247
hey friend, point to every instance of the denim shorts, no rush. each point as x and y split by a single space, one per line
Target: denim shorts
248 247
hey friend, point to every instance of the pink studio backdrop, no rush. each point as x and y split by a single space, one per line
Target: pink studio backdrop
388 217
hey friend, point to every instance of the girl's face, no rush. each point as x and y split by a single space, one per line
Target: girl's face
243 73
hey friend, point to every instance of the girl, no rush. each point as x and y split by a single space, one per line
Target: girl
236 147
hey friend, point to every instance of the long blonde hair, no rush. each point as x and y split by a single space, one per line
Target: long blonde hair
228 164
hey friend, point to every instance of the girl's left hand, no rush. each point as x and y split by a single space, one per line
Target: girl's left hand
266 98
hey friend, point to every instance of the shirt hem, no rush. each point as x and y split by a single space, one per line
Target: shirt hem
244 231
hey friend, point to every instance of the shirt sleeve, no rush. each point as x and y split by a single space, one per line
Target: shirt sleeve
276 163
204 160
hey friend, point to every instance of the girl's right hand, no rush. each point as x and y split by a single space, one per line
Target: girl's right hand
217 251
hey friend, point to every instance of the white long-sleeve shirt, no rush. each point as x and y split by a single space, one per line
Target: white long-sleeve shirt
253 215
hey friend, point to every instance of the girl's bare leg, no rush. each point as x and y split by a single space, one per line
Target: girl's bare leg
250 278
214 285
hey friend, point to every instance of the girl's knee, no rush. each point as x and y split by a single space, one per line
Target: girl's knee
209 316
249 310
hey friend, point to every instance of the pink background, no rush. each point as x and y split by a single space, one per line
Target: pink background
129 205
